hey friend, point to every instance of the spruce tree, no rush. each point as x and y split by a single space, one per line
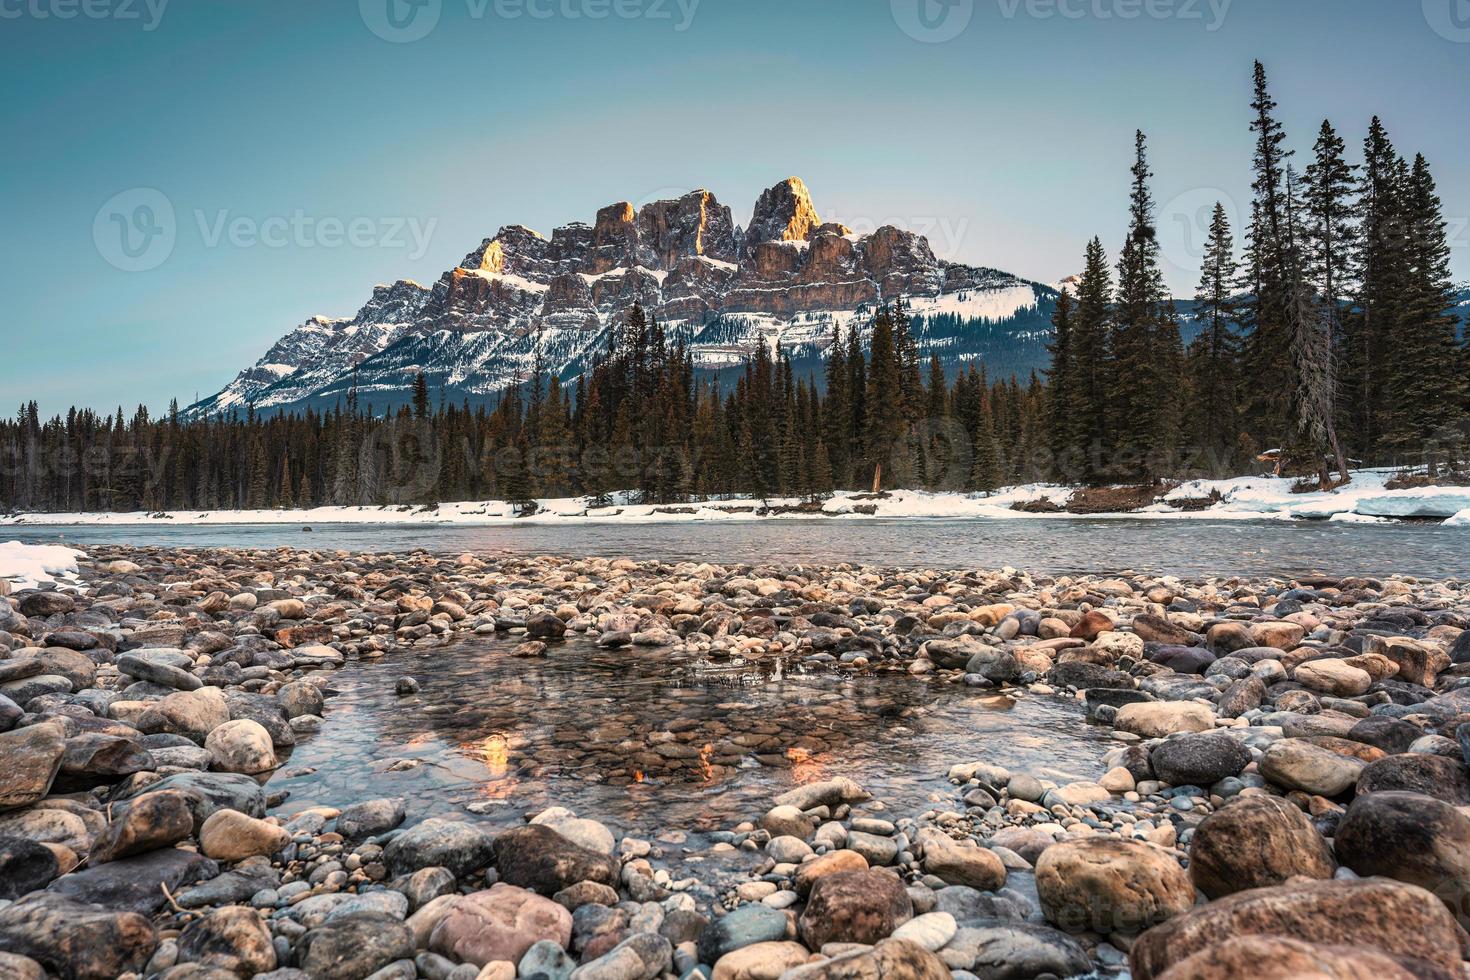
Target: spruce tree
1213 369
1093 343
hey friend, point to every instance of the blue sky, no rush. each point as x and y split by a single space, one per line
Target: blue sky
308 150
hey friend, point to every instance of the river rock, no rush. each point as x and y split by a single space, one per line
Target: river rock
831 792
354 947
25 866
1413 838
745 926
1389 734
94 757
932 930
854 907
300 698
1395 918
242 746
642 956
501 923
371 817
760 961
135 884
51 825
1016 951
1156 719
580 831
546 960
32 759
974 867
1200 759
1111 885
232 938
834 862
151 821
1241 696
539 858
1433 775
1277 958
211 791
438 843
1256 842
82 942
191 713
1333 677
1297 764
229 835
157 671
44 604
891 959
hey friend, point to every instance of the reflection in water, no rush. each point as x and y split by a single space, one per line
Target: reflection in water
650 739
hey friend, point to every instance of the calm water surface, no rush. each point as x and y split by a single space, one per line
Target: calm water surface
1178 547
647 740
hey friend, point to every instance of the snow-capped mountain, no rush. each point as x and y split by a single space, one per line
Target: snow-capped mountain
788 276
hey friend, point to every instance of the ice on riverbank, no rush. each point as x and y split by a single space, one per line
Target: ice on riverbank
1365 500
26 566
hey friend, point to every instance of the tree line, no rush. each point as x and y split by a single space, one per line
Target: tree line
1330 339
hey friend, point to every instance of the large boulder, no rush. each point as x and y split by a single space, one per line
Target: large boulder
1256 842
1392 917
1333 677
1295 763
499 924
1433 775
1277 958
854 907
32 759
539 858
438 843
1111 885
1410 837
1200 759
76 941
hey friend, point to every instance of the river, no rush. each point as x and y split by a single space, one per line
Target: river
1199 547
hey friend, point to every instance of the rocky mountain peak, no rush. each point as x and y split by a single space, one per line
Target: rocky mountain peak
784 213
520 298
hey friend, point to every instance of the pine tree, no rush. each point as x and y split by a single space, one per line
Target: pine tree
1213 368
1427 386
1093 343
1064 415
420 396
1328 196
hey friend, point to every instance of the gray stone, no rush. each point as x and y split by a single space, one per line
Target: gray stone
745 925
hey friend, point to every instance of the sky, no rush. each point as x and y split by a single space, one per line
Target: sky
187 180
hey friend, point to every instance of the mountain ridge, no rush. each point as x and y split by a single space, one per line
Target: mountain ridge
520 298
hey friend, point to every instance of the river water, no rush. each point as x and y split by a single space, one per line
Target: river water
646 740
1049 546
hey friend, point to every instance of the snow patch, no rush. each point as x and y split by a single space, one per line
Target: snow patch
27 566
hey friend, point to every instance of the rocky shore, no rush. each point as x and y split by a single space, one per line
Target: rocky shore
1288 795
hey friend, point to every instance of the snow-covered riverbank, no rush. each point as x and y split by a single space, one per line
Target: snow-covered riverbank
1365 500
